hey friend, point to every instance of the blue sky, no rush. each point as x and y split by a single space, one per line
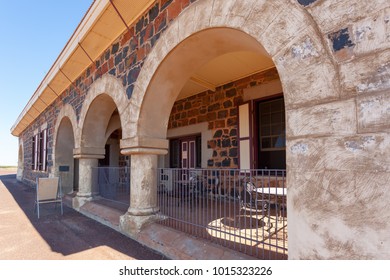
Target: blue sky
32 33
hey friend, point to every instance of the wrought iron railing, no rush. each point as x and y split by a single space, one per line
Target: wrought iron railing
245 210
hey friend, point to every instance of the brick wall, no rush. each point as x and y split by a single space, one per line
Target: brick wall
219 110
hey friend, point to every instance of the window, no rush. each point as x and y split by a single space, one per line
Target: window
39 151
272 132
186 152
271 147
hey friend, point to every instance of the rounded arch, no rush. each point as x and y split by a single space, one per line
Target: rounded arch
65 134
68 112
104 97
289 36
282 30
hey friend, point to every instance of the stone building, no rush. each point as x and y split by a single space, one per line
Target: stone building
252 84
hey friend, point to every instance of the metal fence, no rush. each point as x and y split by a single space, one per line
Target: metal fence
244 210
112 183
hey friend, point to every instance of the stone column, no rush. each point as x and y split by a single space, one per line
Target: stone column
88 158
143 183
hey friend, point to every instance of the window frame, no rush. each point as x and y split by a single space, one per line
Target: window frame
39 151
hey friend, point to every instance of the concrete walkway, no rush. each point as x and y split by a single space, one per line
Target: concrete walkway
79 235
72 236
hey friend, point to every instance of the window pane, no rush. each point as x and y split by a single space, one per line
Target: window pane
271 124
276 129
266 143
276 117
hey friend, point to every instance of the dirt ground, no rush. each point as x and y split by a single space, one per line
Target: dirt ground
71 236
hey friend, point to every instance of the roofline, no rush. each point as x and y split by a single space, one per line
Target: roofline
89 18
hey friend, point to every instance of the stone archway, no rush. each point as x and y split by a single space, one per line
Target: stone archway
322 137
66 133
105 97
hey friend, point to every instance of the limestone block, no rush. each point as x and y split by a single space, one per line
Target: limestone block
325 119
373 112
263 13
305 154
372 33
287 25
333 15
367 74
202 15
366 152
313 84
231 13
321 202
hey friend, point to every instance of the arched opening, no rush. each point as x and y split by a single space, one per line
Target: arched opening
101 133
218 99
64 161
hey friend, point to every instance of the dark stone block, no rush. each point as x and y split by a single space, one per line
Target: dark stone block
341 40
129 91
306 2
226 162
232 121
139 25
233 152
154 39
226 143
133 75
107 55
222 114
210 163
115 48
112 72
229 85
231 92
125 51
165 4
233 112
213 107
187 105
218 133
153 12
118 59
227 104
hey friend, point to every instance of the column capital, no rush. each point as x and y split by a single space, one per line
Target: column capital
144 145
89 152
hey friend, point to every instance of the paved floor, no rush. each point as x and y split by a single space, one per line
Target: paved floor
54 237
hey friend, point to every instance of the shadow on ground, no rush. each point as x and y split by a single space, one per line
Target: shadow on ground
72 232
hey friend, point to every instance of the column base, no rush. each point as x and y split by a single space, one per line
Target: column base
80 199
131 225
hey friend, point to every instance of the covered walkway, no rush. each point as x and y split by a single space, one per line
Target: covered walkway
74 236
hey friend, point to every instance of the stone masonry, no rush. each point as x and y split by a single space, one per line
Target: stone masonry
219 110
